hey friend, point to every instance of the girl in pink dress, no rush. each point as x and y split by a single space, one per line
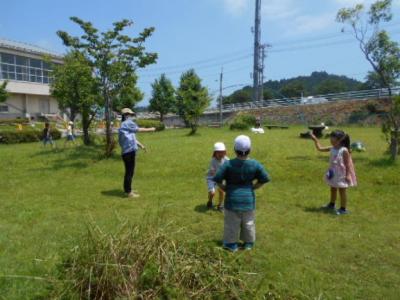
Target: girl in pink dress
341 174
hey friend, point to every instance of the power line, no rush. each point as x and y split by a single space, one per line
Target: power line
202 67
241 58
200 62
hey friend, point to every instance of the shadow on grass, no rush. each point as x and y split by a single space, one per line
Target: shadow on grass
217 243
114 193
78 157
201 208
320 210
382 163
300 158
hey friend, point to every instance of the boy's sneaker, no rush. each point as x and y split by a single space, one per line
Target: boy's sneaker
328 206
209 204
233 247
342 211
248 246
220 208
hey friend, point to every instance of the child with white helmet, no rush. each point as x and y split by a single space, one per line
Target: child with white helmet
218 159
239 177
70 133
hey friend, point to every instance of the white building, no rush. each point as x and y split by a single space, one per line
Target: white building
28 74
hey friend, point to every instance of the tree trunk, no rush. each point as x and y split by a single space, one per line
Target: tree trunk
110 143
161 117
85 127
193 127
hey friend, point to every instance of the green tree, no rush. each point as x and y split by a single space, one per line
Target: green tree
3 92
127 94
192 99
115 57
293 89
240 96
381 52
76 89
163 98
330 86
372 81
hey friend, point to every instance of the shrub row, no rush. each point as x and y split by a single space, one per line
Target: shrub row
243 122
25 136
14 121
150 123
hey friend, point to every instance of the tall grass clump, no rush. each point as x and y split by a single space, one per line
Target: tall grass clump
140 262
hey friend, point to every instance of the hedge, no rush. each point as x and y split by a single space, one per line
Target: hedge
14 121
145 123
26 136
243 122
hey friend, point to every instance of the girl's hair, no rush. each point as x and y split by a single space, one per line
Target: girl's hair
123 118
47 124
214 153
342 137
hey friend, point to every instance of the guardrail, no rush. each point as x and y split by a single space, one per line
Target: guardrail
317 99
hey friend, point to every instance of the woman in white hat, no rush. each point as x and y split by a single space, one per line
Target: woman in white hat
218 159
129 145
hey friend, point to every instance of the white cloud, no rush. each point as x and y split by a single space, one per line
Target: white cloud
236 7
349 3
307 23
290 15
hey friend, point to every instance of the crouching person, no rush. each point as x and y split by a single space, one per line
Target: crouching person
239 178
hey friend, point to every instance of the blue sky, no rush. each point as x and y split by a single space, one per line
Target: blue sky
207 34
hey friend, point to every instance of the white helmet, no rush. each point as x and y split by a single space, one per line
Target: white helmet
219 147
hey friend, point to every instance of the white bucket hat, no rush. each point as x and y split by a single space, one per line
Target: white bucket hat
127 111
219 147
242 143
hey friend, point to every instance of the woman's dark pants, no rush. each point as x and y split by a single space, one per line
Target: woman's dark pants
129 162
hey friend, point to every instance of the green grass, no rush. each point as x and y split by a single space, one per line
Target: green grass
47 198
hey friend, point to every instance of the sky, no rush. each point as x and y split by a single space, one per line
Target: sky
207 35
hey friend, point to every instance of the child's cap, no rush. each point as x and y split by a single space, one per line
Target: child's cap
219 147
71 123
242 143
127 111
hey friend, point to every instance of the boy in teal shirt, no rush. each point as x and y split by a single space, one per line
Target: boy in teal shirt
242 176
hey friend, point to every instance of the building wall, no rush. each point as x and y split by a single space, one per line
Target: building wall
30 88
19 105
26 96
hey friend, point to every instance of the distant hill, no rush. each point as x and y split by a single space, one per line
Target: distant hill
314 84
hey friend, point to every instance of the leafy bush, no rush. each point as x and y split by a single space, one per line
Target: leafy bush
140 262
243 122
371 107
14 121
151 123
358 116
25 136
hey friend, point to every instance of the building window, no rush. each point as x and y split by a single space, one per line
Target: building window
21 68
3 108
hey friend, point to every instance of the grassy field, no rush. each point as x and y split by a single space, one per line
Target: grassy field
47 198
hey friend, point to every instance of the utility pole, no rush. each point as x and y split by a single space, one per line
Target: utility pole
263 56
257 38
261 95
221 76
